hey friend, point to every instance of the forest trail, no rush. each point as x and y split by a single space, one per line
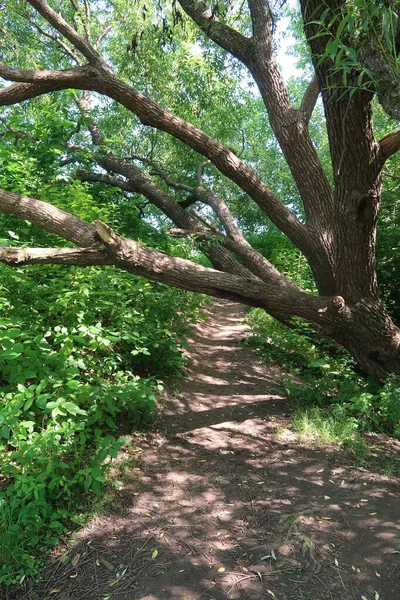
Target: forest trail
226 507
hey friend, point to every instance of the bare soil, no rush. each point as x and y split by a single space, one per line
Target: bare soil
223 506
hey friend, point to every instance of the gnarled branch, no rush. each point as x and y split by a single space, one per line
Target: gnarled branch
57 21
309 100
389 145
228 38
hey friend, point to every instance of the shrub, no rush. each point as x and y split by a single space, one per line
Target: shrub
328 377
80 351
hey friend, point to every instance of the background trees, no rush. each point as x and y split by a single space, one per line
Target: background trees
161 84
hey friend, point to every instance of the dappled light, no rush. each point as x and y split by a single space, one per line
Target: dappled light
224 508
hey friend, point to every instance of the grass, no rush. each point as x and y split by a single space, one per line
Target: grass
319 425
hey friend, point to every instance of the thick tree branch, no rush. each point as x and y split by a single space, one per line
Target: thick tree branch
57 21
223 35
48 217
44 76
259 265
389 145
261 20
79 78
309 100
348 117
288 124
355 156
137 258
82 257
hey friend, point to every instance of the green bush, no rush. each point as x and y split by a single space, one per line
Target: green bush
80 352
328 379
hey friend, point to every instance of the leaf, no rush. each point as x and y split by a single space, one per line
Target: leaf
154 554
5 432
73 409
271 593
273 555
73 384
221 569
76 560
7 355
320 362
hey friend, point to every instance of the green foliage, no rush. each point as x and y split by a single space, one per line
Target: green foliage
80 353
347 402
388 243
349 28
284 255
321 425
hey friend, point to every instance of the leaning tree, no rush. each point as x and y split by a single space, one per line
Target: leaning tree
336 227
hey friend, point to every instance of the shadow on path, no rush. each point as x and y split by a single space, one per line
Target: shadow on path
225 508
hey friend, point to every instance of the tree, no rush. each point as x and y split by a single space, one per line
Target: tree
335 229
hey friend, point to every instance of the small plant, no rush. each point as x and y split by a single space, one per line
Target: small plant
333 402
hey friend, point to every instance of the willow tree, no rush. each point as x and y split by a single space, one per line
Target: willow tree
49 51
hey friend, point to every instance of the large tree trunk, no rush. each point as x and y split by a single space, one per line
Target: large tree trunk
367 332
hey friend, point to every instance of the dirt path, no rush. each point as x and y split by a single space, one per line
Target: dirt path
225 508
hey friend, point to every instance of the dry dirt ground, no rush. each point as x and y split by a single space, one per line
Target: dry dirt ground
221 506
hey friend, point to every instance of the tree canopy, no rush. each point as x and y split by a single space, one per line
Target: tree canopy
178 112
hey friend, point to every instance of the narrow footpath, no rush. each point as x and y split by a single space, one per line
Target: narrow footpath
225 505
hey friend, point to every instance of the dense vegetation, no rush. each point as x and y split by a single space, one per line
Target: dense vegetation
81 352
84 350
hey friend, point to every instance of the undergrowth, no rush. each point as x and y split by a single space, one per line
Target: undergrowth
333 403
81 352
